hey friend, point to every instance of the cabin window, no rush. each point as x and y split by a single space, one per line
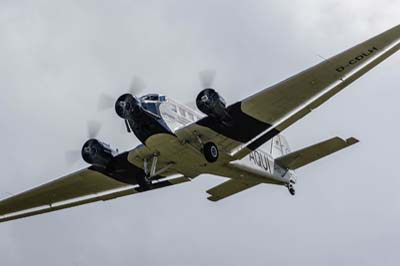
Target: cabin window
173 108
182 111
191 116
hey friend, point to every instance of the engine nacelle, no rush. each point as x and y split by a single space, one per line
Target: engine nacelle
211 103
97 153
127 106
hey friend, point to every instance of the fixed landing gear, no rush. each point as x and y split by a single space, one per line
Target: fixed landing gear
290 187
145 182
149 170
210 151
292 191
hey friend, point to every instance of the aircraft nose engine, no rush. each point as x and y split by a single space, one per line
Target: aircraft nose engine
97 153
127 105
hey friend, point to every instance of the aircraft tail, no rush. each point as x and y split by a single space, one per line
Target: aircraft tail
313 153
278 146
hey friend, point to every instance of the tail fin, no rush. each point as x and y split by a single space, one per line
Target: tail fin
278 146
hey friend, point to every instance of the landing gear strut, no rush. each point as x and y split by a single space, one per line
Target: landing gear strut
145 181
210 151
290 187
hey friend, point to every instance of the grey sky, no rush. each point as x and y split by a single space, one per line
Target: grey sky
57 56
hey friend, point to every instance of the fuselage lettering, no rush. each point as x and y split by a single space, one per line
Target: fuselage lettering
356 59
259 159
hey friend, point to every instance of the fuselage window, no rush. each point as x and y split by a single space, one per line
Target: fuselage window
173 108
182 111
191 116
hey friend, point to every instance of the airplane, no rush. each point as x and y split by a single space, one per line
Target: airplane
242 142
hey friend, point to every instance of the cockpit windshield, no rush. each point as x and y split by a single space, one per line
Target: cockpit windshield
151 103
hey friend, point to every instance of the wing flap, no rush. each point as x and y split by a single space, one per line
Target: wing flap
300 158
228 188
103 196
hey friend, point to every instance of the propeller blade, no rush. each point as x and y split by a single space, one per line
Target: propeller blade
72 156
93 128
105 102
136 86
207 78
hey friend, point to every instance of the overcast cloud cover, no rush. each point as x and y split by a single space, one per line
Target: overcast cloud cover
57 56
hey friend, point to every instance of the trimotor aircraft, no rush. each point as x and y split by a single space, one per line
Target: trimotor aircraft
241 141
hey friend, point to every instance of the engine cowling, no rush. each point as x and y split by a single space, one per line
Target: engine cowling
128 106
211 103
97 153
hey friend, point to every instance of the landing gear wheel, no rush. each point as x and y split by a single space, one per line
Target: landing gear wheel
210 151
292 191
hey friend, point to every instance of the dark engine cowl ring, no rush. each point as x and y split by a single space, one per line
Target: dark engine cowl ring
127 106
211 103
96 153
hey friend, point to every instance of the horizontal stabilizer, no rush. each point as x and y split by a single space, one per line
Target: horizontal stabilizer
228 188
315 152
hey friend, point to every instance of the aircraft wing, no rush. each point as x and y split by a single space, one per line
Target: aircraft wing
81 187
265 114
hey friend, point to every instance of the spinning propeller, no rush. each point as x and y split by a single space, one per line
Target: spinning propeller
125 103
207 78
93 129
107 101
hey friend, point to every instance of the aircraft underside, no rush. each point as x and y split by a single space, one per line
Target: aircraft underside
241 141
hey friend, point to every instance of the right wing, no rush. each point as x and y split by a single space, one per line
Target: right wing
81 187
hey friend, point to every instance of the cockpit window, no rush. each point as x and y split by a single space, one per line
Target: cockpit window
152 107
150 97
151 102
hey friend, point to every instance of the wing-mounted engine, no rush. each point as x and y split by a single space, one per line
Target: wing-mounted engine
212 104
97 153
